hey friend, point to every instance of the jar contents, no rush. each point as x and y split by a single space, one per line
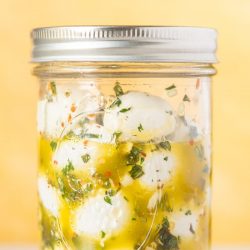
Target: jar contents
121 172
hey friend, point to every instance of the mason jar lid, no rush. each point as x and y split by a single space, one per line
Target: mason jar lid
124 44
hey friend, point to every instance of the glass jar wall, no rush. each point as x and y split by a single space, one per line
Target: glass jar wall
125 155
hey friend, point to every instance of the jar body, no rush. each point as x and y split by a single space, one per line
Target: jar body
125 156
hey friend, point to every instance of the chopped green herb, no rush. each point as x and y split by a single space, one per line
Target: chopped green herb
133 156
108 200
165 240
116 102
107 184
53 145
188 212
140 128
133 218
93 136
171 87
68 168
53 88
165 158
191 229
125 198
85 158
136 172
125 110
116 136
110 192
118 89
88 188
103 234
186 98
165 145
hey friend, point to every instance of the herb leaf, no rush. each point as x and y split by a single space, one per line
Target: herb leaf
89 135
165 239
53 88
103 234
140 128
171 87
188 212
68 168
108 200
165 145
116 102
118 89
165 158
53 145
136 172
125 110
186 98
116 136
85 158
133 156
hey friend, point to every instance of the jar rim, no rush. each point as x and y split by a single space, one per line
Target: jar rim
124 44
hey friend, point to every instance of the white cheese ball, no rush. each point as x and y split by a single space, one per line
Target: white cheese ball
185 130
72 151
157 169
184 224
96 215
148 117
56 117
48 196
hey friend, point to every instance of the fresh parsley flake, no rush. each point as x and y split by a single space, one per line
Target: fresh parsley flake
125 110
93 136
165 238
165 145
69 167
188 212
116 136
133 156
165 158
118 89
53 88
171 87
103 234
108 200
136 172
53 145
140 128
116 102
186 98
191 229
85 158
134 218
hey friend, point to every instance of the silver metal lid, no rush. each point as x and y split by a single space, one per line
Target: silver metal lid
124 43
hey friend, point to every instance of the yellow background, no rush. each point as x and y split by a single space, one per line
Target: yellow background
231 96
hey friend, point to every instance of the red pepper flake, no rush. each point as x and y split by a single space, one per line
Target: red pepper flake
191 142
55 162
62 124
85 142
73 108
197 83
143 154
69 118
108 174
91 115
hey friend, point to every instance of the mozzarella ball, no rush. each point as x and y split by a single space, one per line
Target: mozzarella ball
48 196
140 117
72 151
157 168
185 130
184 224
96 215
57 115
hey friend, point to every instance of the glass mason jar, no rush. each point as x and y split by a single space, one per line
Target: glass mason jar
125 137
